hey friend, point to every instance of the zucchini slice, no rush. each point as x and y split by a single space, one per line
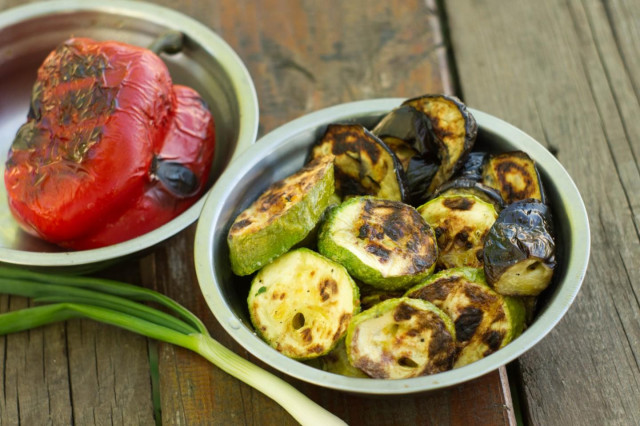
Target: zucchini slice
408 133
401 338
461 223
302 303
281 217
383 243
514 175
519 251
484 320
364 165
455 131
337 362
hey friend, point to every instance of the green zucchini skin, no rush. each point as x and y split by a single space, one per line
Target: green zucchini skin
455 130
301 304
485 321
401 338
364 165
383 243
519 251
461 223
283 216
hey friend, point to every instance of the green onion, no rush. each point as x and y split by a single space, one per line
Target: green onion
116 303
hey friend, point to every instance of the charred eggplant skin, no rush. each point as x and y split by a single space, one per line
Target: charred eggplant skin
455 130
364 165
464 185
409 134
521 235
473 166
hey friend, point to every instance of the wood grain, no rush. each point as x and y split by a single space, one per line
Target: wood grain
566 73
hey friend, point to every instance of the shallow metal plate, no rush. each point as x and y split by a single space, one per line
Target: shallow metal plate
207 63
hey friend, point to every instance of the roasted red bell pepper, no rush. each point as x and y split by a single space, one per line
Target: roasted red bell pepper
111 148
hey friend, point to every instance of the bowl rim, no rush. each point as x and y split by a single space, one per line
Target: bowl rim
214 45
555 310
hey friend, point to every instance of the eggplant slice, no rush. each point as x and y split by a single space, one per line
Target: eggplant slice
383 243
408 133
401 338
461 223
519 251
364 165
514 175
467 186
283 216
485 321
455 131
302 303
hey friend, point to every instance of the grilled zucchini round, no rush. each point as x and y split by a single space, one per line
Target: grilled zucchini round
281 217
382 243
401 338
484 320
302 302
461 223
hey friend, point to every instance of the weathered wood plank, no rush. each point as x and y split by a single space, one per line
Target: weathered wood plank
562 71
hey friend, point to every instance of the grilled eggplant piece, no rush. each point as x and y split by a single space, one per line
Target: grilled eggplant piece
408 133
514 175
473 166
364 165
281 217
466 186
302 302
455 131
519 251
485 321
401 338
461 223
383 243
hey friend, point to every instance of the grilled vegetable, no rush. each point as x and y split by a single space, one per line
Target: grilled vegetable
408 133
337 362
301 303
455 132
514 175
101 116
281 217
371 296
364 165
466 186
461 223
179 172
382 243
401 338
519 252
473 166
484 320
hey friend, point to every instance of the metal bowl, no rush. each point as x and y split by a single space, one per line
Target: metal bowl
207 63
283 152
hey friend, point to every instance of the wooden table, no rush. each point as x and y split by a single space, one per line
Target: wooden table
568 73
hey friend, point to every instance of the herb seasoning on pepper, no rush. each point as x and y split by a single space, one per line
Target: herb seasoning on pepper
111 148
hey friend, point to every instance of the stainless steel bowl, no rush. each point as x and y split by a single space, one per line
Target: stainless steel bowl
283 151
207 63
